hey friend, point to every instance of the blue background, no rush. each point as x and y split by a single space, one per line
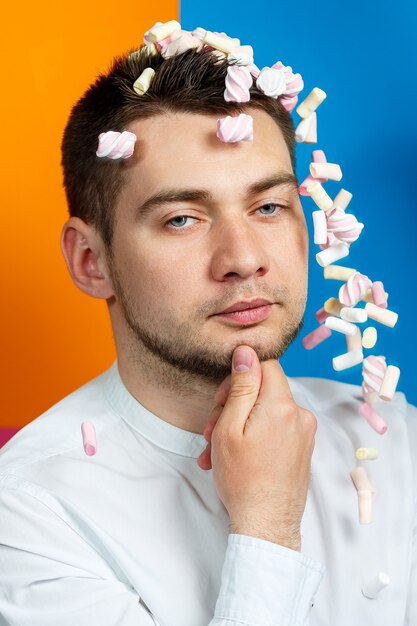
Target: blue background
364 56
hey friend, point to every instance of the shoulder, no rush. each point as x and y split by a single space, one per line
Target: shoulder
58 430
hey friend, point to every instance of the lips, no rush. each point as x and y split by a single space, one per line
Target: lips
245 304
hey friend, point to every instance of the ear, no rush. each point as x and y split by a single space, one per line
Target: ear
84 254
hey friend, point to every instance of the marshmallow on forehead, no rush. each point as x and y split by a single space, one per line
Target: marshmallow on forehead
115 145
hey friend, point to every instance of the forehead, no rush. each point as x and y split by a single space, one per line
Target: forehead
175 149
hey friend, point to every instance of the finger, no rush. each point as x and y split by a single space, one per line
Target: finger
223 391
211 421
275 387
244 389
204 460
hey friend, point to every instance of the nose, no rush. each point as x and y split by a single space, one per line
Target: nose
239 250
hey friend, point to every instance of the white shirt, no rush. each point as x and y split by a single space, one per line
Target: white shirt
136 534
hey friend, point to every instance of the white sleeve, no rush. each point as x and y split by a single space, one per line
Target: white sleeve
264 584
50 576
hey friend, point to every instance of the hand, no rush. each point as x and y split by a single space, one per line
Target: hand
260 448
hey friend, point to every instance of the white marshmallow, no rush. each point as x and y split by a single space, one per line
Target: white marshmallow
349 359
335 323
320 227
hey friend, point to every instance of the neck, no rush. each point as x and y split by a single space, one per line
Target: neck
177 397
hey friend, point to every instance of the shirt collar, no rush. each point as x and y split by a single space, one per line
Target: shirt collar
152 427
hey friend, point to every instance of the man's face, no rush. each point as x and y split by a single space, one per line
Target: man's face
178 265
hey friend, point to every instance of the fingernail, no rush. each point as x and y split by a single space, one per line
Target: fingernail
242 359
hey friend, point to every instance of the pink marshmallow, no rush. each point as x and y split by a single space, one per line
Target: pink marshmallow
89 438
232 129
318 156
317 336
302 189
378 294
322 315
373 418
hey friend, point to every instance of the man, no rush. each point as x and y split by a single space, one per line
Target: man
162 525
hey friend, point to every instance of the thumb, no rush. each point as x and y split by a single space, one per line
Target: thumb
245 382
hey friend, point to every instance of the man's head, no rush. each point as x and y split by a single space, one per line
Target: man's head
166 276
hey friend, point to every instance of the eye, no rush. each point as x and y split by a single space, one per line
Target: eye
179 222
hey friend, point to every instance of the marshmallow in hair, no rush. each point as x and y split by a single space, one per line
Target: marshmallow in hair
232 129
238 83
159 32
143 82
243 55
271 82
180 42
220 42
115 145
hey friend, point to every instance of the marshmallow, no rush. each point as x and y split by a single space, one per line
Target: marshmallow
354 289
326 170
235 128
342 199
333 306
320 226
294 84
337 272
366 454
89 438
116 145
302 189
243 55
199 33
331 254
271 82
353 342
365 493
158 33
315 337
346 360
373 418
370 397
180 42
320 197
238 82
343 225
369 337
306 131
142 84
378 294
318 156
219 42
384 316
310 104
372 588
335 323
351 314
321 315
373 372
389 384
368 297
149 49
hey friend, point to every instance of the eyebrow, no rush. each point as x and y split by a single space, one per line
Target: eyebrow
188 195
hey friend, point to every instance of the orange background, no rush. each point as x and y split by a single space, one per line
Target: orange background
55 338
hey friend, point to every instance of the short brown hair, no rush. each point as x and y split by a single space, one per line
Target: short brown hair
191 82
